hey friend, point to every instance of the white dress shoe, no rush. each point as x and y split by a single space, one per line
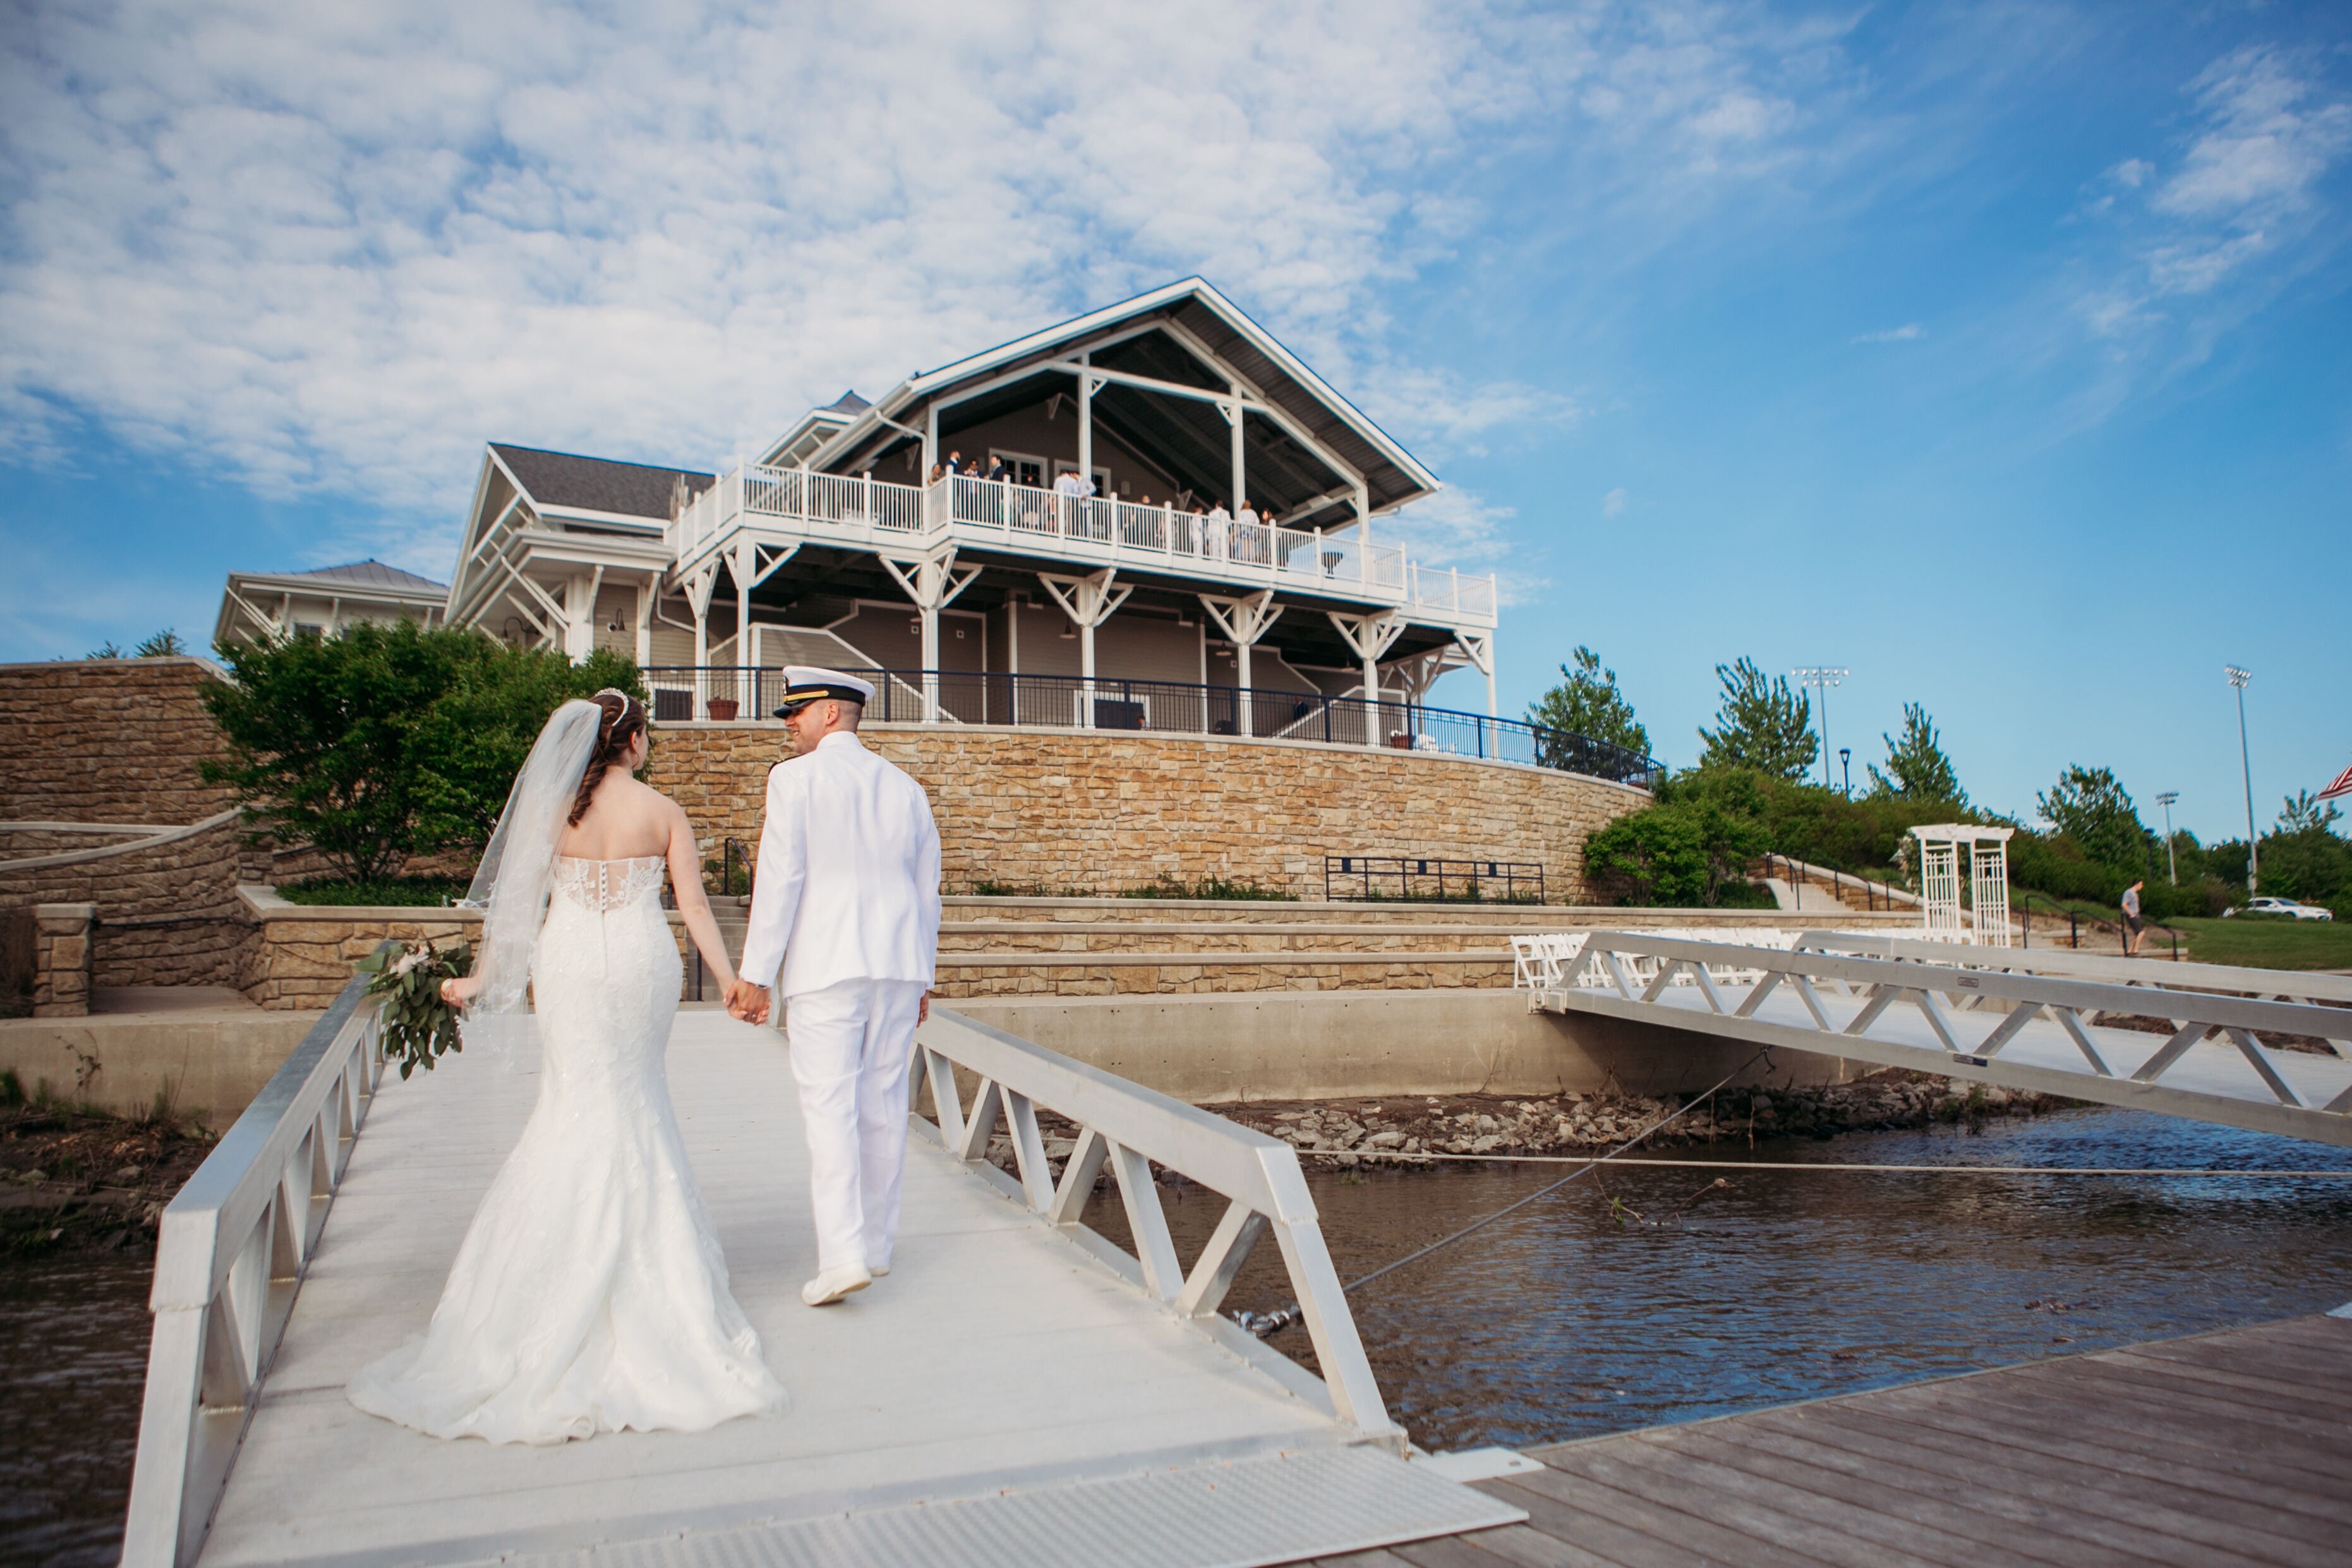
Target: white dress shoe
835 1283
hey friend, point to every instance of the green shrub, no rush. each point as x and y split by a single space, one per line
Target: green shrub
430 892
1166 886
1688 851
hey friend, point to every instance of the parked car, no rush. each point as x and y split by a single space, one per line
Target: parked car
2286 907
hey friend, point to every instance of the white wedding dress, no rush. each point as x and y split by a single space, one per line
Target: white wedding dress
590 1294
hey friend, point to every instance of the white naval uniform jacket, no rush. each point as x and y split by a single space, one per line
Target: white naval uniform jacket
849 880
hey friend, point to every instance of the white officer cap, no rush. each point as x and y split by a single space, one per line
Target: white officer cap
806 683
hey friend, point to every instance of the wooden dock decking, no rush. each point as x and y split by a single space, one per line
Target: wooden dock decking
2228 1448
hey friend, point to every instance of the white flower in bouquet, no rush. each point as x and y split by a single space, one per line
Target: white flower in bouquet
410 958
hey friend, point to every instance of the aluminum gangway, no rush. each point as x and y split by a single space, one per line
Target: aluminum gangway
1020 1390
2202 1047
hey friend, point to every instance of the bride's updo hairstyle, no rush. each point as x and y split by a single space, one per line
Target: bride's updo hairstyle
625 720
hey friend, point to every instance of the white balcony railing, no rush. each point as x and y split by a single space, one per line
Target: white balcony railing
1088 528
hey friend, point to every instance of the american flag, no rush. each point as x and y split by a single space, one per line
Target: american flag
2343 785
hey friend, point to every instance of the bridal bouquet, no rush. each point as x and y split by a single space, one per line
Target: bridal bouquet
418 1025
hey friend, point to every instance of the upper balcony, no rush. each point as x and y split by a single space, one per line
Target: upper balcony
775 505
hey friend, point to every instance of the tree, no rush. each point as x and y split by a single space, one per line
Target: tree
1587 702
106 649
165 644
480 731
322 738
1762 725
384 741
1917 767
2088 805
2301 812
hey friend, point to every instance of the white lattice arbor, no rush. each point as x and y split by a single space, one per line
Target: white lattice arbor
1948 850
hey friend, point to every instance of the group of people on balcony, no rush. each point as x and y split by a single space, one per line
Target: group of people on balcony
1212 532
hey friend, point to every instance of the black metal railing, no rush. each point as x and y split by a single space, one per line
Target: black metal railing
683 693
1421 878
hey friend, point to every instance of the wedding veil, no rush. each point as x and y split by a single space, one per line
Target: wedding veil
518 866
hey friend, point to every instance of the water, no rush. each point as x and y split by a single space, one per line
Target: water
73 1339
1559 1322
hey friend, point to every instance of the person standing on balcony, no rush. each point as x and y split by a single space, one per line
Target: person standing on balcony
997 472
1246 533
846 924
955 462
1217 530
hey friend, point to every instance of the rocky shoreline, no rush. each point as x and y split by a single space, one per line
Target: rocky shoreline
80 1181
1347 1133
1424 1132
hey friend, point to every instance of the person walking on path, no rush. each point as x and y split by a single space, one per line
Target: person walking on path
2134 928
846 924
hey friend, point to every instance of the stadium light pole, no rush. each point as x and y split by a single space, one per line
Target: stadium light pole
1823 676
2238 679
2171 866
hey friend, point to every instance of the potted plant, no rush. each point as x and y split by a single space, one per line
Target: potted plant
722 708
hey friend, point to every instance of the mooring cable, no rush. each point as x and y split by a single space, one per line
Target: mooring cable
1264 1325
1834 1166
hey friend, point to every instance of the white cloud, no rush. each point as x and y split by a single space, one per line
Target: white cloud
329 250
1613 504
1909 331
2245 189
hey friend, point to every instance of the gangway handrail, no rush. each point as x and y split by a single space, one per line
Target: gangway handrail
1886 981
2304 984
233 1248
1129 1129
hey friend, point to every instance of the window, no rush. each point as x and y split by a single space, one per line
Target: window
1026 469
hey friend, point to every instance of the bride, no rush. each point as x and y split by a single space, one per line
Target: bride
589 1295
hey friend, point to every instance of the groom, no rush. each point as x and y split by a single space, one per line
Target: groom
845 904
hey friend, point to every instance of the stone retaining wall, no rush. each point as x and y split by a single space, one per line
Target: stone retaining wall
61 960
109 740
167 909
1099 812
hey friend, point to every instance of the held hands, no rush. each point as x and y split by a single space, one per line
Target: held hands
458 993
748 1001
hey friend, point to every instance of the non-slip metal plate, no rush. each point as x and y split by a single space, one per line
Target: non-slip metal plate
1275 1508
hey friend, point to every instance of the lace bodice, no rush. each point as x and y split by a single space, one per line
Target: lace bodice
599 886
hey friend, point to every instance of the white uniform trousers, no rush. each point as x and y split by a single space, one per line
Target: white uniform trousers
850 1045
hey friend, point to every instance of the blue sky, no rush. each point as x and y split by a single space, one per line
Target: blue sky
1996 352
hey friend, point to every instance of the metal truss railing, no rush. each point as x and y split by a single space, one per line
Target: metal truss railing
1941 991
233 1248
682 693
1126 1128
2314 985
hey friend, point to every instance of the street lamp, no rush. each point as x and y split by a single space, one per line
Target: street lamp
1845 766
2171 866
1823 676
2238 679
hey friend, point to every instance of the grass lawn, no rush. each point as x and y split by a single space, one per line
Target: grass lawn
2270 942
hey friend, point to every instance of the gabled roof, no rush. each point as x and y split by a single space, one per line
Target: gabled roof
1195 310
369 573
847 404
566 480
